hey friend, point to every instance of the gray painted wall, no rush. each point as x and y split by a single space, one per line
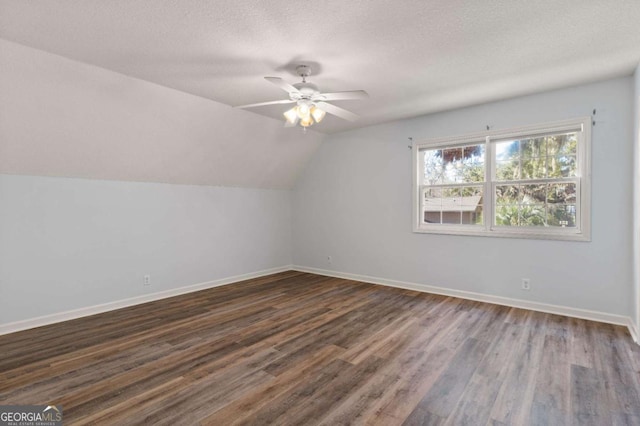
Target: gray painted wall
73 243
636 216
353 203
60 117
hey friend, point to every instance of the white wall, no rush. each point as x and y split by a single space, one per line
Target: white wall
636 216
68 243
60 117
353 202
73 243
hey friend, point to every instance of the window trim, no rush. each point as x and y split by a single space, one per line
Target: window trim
582 231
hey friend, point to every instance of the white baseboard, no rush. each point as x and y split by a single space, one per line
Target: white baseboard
516 303
110 306
498 300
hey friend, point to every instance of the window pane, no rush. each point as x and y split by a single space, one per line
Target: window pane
561 193
453 205
472 205
452 155
472 191
562 166
432 205
473 172
562 215
565 144
507 215
477 218
432 193
451 217
507 195
433 168
533 194
534 168
532 215
432 201
536 147
474 152
472 216
452 160
473 163
507 150
452 193
508 170
453 165
551 156
432 217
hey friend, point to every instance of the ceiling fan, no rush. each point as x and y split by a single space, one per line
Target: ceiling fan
311 105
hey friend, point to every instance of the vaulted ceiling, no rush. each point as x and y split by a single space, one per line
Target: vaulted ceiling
412 56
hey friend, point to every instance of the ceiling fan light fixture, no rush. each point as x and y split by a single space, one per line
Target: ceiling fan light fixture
306 122
303 110
317 114
291 115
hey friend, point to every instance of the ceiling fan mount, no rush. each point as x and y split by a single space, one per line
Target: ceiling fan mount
303 71
311 105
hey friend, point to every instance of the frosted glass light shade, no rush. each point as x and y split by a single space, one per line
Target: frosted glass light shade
306 122
317 114
291 115
303 111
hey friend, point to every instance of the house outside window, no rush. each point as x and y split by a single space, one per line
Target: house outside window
529 182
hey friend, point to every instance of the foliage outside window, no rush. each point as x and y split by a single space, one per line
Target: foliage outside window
531 182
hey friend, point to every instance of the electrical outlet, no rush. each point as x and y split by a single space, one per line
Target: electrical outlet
147 280
329 260
526 284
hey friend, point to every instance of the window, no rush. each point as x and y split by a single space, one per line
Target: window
531 182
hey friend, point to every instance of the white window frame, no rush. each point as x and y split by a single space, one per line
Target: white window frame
582 230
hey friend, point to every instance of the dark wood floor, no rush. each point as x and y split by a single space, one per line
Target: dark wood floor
302 349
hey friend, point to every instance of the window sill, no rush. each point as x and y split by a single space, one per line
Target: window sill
470 230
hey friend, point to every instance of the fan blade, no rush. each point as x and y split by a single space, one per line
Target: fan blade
284 101
337 111
343 96
282 84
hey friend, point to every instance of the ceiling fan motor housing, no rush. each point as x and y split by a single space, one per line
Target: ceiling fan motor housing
306 89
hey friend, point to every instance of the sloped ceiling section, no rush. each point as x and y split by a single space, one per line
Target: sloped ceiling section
59 117
413 56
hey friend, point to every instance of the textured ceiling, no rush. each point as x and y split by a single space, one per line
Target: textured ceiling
412 56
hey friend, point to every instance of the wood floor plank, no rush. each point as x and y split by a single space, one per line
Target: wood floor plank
588 400
478 398
243 407
421 361
621 380
289 404
334 392
513 402
552 399
299 348
447 390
